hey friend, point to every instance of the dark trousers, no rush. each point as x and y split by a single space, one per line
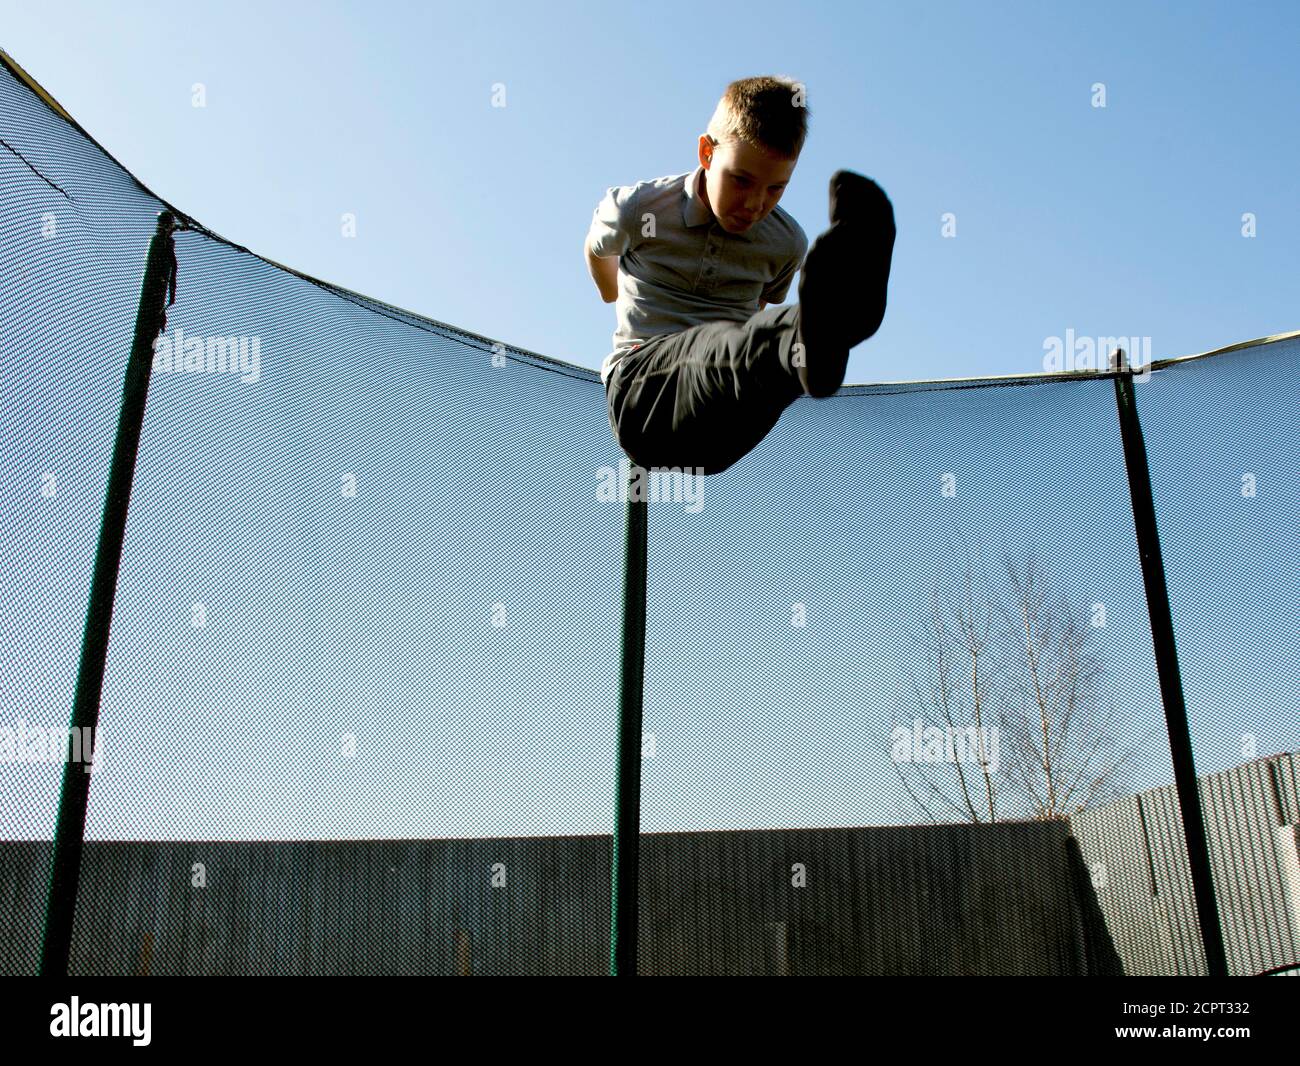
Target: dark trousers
704 397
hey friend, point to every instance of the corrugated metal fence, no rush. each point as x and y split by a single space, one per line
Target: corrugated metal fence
1138 863
1011 898
948 899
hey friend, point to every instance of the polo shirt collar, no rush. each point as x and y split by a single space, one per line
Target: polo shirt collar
695 212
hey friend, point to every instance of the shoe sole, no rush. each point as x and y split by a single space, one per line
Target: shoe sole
862 221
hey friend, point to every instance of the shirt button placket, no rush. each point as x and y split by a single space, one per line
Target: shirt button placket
712 252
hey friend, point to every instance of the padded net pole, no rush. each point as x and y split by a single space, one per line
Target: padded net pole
627 817
151 319
1171 685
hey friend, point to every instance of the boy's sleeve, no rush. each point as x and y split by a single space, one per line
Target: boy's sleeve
613 223
774 292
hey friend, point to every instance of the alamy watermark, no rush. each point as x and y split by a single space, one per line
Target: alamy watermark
662 484
1076 354
75 1018
952 744
30 743
180 354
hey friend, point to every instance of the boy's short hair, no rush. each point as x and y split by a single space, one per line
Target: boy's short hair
766 112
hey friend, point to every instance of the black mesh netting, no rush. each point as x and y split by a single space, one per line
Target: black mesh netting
902 712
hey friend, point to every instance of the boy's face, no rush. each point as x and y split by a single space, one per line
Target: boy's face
742 183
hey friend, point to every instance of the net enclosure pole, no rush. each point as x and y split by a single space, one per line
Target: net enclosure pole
151 319
1171 685
626 858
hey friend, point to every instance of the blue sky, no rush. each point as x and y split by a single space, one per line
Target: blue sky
1122 221
1112 222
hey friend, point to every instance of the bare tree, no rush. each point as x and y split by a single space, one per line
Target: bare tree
1012 719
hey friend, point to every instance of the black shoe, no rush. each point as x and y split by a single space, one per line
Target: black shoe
842 287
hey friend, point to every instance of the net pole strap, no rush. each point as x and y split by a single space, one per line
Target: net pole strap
626 857
1171 685
151 319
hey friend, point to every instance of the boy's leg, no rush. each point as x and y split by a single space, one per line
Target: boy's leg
706 396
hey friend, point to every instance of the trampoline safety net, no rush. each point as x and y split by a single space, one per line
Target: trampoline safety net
903 712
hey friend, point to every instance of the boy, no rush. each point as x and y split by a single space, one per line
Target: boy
700 371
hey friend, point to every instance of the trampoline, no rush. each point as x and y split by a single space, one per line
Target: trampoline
380 676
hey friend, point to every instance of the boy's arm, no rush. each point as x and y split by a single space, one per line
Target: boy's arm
777 289
604 272
610 237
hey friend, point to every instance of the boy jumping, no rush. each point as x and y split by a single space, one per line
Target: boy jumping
700 372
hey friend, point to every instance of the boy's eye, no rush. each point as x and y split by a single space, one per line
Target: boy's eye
745 181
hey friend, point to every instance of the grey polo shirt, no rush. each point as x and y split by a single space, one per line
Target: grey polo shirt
678 267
